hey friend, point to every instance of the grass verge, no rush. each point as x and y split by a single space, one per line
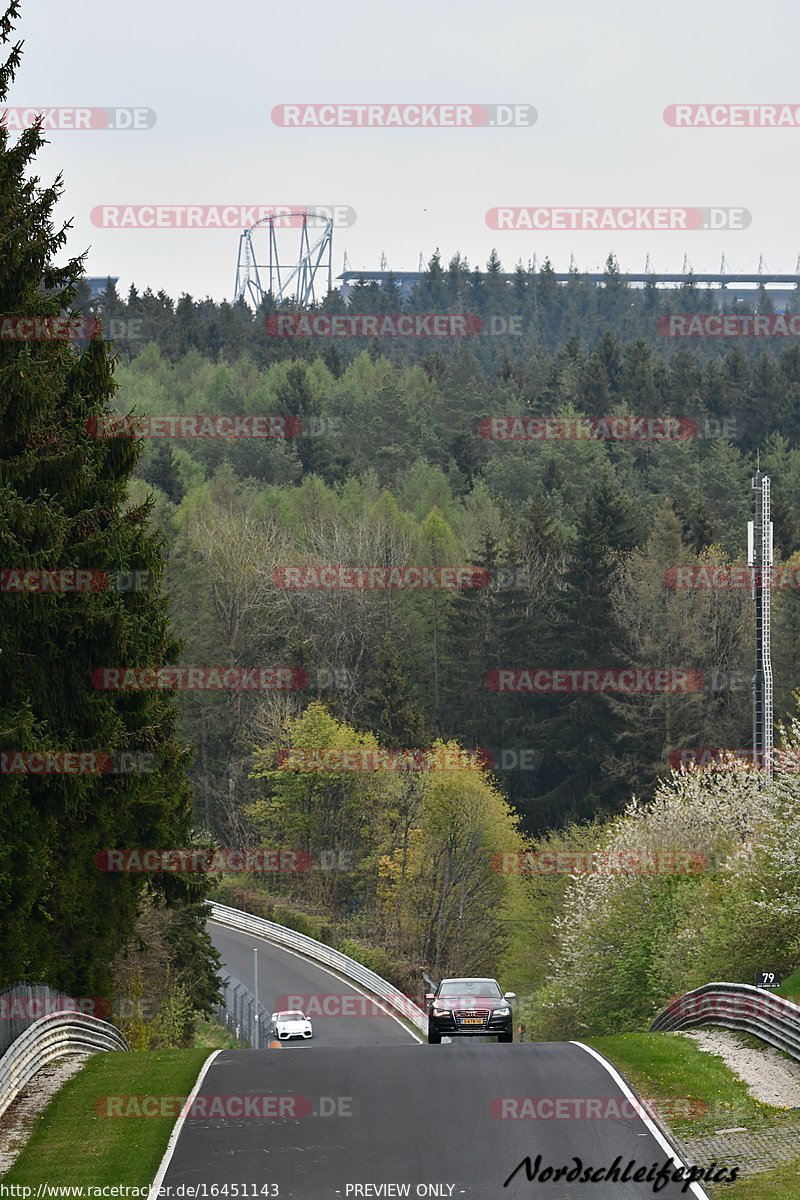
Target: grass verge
72 1144
211 1036
696 1093
780 1184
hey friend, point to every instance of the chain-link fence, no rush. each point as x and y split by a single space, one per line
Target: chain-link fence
237 1012
24 1003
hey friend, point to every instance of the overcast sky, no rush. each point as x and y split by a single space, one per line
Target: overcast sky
598 74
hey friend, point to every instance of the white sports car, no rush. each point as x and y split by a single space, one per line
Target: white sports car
291 1023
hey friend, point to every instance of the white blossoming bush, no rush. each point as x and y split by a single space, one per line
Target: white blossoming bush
750 918
775 859
629 939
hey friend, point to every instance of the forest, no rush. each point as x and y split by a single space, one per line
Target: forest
610 535
497 586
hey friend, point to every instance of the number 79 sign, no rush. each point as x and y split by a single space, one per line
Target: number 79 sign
767 979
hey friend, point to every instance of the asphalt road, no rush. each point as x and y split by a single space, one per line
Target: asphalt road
282 975
363 1106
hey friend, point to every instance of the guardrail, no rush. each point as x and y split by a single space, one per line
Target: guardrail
48 1039
279 935
736 1006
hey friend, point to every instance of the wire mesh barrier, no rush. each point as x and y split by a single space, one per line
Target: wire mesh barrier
736 1006
237 1012
347 967
24 1003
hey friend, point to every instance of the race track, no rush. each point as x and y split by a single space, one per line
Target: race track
364 1110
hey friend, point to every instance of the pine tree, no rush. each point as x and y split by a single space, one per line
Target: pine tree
389 707
474 647
63 505
610 353
595 397
664 628
582 730
431 293
548 301
162 472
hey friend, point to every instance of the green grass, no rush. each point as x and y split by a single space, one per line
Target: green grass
671 1069
780 1184
71 1144
697 1091
212 1036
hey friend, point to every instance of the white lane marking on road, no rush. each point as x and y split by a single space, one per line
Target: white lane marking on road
332 974
176 1132
649 1122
